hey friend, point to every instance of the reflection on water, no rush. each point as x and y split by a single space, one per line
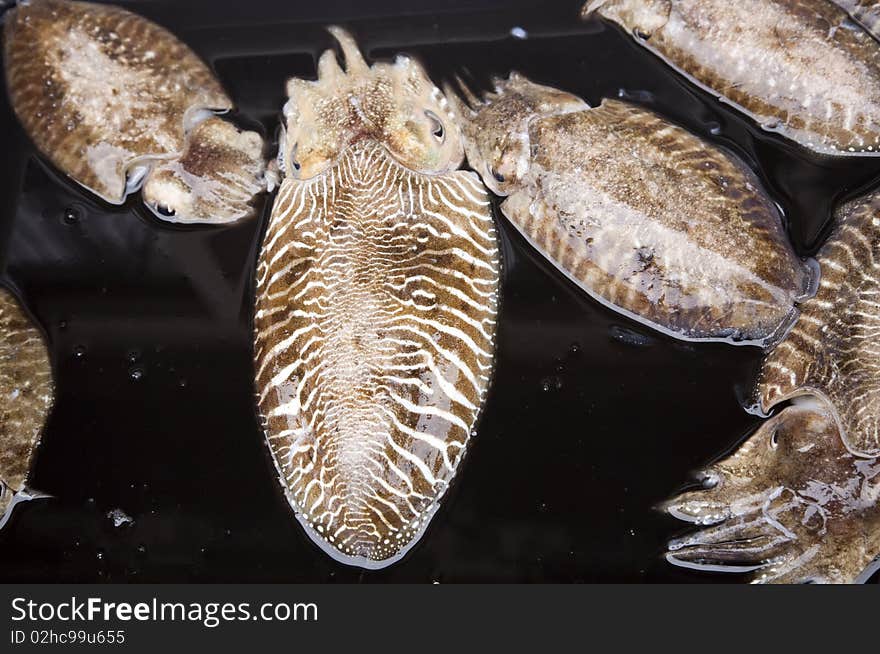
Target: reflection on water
153 451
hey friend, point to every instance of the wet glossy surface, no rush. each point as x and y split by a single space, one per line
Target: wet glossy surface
592 420
99 89
643 215
791 505
802 68
215 180
25 395
832 349
867 12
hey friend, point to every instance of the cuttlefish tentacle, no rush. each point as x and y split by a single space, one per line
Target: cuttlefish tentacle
394 103
641 214
354 60
26 395
801 68
216 179
800 499
376 302
791 505
471 101
108 95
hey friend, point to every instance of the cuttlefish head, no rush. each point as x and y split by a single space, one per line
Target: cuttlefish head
214 180
790 505
495 128
393 103
642 17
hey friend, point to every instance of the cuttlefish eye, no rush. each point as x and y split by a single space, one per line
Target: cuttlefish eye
165 210
436 126
293 162
498 176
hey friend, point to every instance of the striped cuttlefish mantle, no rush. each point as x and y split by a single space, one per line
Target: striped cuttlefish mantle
377 293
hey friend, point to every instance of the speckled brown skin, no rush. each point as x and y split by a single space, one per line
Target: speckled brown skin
799 67
640 213
833 350
867 12
215 180
376 301
97 88
26 393
395 104
791 505
800 500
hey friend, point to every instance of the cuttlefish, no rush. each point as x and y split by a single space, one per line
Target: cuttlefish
26 393
105 94
643 215
801 68
376 301
215 179
867 12
800 500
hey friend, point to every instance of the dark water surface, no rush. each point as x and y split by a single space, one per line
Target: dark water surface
592 420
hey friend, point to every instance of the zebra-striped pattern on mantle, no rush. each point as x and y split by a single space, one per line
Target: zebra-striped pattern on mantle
377 293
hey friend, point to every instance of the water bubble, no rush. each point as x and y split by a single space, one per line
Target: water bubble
519 33
141 549
72 215
136 373
99 555
551 383
79 351
182 382
119 517
62 324
133 355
